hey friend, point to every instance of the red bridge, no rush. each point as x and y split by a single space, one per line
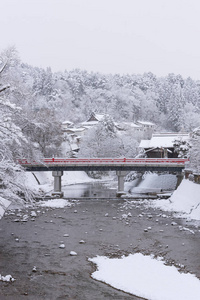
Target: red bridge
121 165
86 164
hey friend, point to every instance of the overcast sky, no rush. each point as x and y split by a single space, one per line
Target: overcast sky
107 36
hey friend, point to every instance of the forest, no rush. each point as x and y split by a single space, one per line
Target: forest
34 102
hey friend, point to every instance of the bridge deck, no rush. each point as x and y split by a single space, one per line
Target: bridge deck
102 164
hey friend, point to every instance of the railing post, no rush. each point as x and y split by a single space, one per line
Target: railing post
121 175
57 183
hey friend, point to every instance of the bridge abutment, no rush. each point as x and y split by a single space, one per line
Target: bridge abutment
179 177
57 183
120 190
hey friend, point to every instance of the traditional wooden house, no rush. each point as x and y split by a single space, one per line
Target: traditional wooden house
146 125
125 126
162 144
66 124
75 131
93 120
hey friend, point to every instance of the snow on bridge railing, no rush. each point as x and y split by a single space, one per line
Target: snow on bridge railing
102 161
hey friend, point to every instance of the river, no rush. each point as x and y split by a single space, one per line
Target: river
144 187
90 190
30 252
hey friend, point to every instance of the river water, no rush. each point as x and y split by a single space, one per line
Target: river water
89 190
151 184
30 251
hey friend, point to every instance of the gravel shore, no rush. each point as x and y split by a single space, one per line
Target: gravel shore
36 245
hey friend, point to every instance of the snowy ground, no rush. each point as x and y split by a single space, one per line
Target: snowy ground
185 201
146 277
4 203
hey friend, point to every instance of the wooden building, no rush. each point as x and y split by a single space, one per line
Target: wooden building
162 144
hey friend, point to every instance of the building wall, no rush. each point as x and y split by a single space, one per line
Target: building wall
159 153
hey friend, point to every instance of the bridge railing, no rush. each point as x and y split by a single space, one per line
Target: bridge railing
102 161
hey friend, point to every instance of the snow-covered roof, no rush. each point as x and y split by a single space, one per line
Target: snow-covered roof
144 144
135 125
73 129
127 124
165 140
89 123
78 129
197 130
146 123
99 117
93 120
74 147
67 123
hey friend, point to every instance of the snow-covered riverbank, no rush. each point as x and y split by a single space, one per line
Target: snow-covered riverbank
185 200
4 203
42 183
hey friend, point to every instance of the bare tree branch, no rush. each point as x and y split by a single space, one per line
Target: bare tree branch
3 67
4 88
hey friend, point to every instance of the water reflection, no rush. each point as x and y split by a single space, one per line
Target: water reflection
89 190
140 187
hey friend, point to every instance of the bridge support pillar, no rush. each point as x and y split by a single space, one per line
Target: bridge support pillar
57 183
179 177
121 175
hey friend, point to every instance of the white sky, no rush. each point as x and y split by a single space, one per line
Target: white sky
108 36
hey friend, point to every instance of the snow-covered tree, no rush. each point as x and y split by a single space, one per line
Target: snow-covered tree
13 143
189 117
104 140
182 148
194 154
45 133
101 141
129 146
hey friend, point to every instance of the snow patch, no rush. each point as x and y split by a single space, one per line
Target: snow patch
185 200
7 278
186 197
4 203
55 203
146 277
153 182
